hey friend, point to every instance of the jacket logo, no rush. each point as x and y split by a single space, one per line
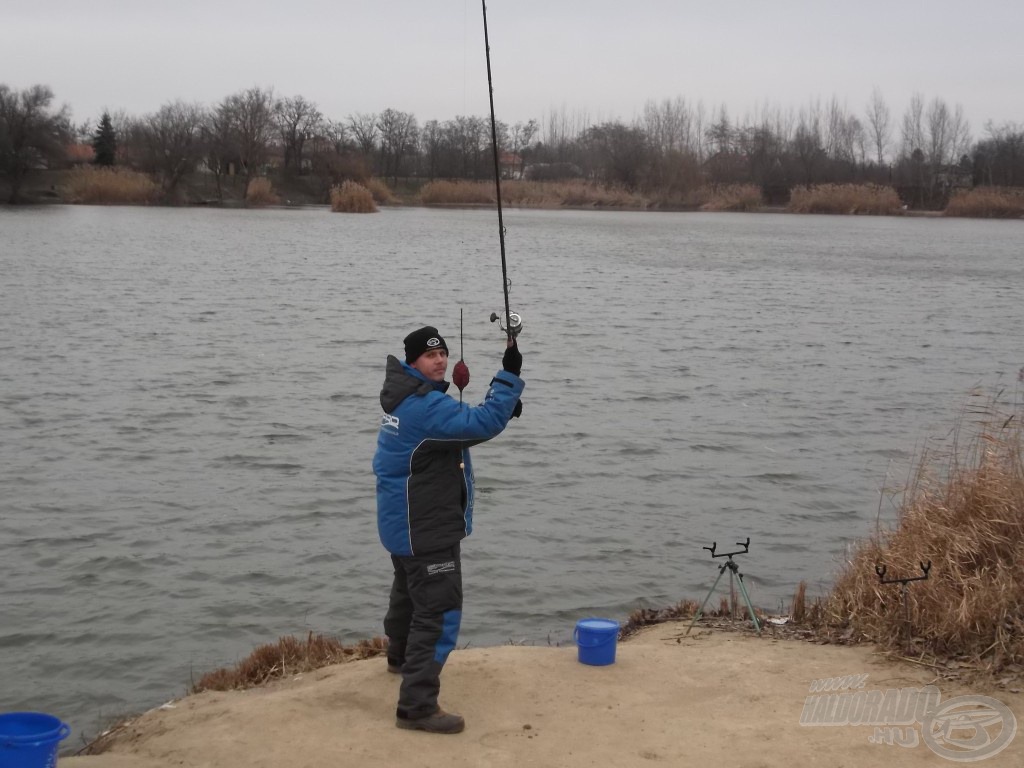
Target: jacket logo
388 421
435 568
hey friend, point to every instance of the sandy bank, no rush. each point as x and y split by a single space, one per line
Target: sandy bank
714 698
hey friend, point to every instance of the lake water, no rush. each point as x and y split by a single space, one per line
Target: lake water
188 410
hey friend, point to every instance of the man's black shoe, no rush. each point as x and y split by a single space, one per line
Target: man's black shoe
439 722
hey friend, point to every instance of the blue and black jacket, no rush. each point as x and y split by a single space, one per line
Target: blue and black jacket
424 473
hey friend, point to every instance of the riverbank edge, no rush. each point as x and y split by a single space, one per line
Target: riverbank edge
663 681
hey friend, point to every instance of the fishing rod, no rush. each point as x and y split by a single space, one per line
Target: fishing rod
513 321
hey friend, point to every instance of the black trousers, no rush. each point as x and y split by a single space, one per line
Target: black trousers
422 625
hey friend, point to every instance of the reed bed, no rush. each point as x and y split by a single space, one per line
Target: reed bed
441 192
581 194
288 656
731 197
987 203
963 512
531 194
95 185
871 199
261 192
381 192
351 197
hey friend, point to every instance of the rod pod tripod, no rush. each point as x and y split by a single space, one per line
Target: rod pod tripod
734 576
881 571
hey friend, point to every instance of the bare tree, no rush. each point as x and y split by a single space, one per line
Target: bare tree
431 138
879 124
938 134
720 133
31 134
999 159
363 128
620 152
912 127
807 142
297 121
521 135
219 144
170 143
699 132
250 117
398 135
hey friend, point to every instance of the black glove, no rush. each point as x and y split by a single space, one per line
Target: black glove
518 410
512 360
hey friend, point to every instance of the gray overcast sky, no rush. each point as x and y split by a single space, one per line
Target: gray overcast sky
601 58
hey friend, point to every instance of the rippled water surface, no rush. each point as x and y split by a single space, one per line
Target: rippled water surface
188 409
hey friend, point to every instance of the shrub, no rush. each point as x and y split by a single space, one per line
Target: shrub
845 199
93 185
261 192
988 203
732 197
352 198
967 519
380 190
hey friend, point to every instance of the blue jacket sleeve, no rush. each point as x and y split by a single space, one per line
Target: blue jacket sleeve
447 419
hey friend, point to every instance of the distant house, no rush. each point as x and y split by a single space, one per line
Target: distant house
79 154
511 165
954 177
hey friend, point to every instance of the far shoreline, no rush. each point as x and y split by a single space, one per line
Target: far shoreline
93 185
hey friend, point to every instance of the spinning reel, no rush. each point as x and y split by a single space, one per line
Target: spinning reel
515 323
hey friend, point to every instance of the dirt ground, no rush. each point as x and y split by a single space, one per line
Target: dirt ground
711 698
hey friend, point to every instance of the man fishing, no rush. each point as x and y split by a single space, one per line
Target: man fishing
425 509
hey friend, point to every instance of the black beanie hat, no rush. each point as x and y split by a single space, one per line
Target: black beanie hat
418 342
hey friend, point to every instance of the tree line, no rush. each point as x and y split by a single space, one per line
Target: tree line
671 148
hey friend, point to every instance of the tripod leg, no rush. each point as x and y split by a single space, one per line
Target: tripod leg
708 597
750 607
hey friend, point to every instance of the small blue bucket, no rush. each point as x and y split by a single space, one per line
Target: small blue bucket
595 641
30 739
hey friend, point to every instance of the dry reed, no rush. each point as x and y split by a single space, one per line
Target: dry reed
288 656
963 512
731 197
380 190
987 203
261 192
845 199
351 197
93 185
443 192
531 194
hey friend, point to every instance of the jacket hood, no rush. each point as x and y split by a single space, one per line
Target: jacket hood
402 380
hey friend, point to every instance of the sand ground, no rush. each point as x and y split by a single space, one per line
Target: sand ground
711 698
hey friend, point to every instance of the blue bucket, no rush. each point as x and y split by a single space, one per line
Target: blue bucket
30 739
595 640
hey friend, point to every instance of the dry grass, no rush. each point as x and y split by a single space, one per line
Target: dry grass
380 190
351 197
568 194
288 656
731 197
845 199
531 194
261 192
643 617
963 512
94 185
457 193
987 203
